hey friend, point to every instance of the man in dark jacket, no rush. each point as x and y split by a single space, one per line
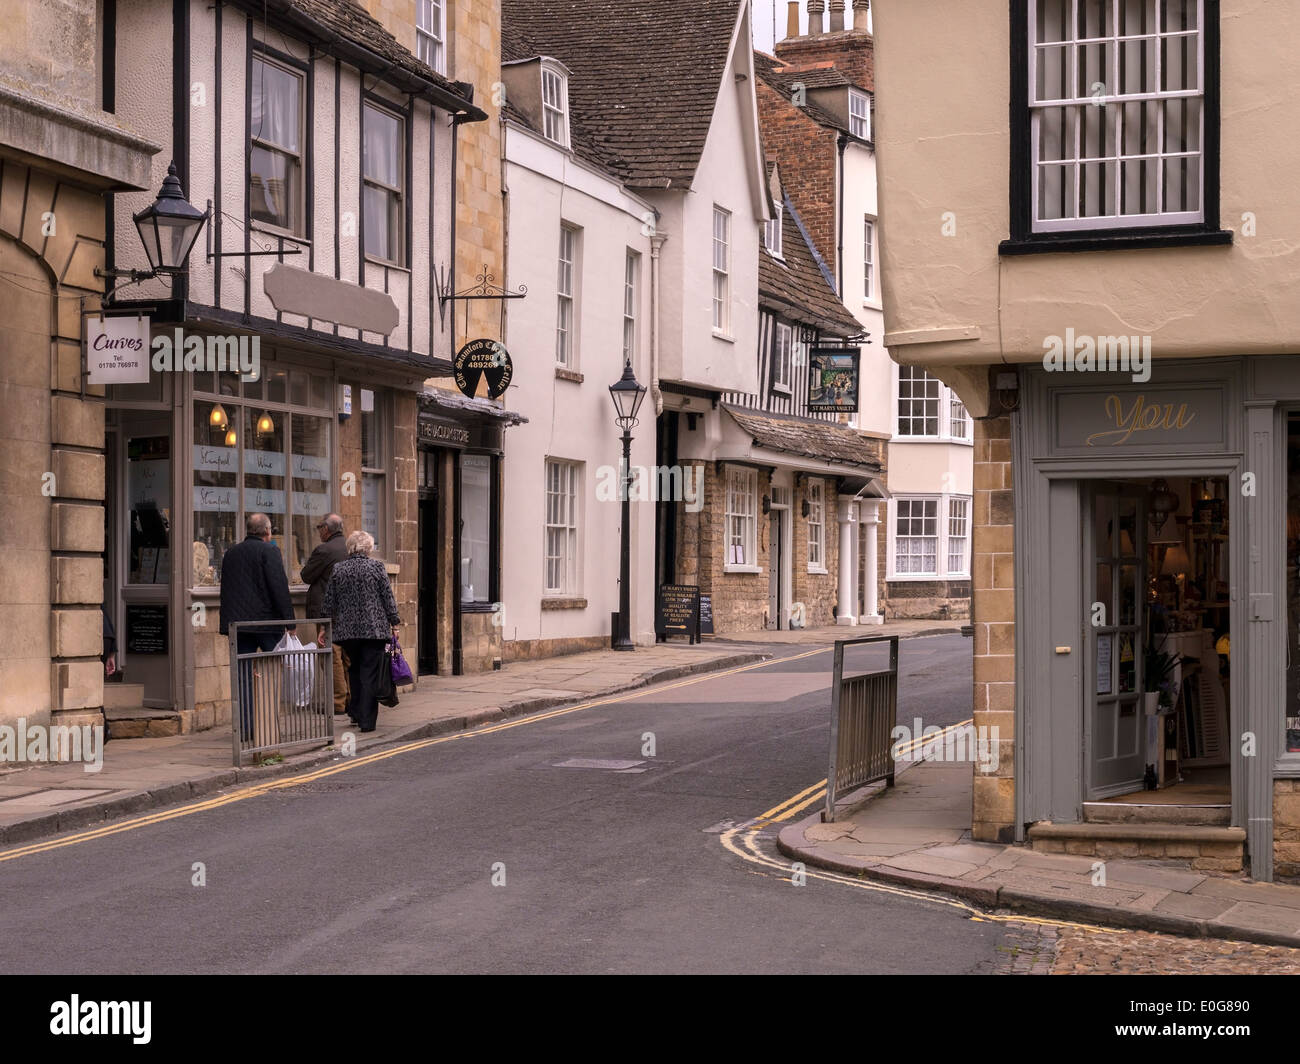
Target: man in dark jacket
254 588
316 575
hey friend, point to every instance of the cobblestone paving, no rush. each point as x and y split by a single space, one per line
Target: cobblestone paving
1146 953
1043 949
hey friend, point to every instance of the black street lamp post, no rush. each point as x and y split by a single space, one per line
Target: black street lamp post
627 395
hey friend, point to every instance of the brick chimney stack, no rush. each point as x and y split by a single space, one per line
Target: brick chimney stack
815 10
837 16
792 19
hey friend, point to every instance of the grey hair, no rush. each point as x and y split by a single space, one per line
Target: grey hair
361 543
257 524
333 523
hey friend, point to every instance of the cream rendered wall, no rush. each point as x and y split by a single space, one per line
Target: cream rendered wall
690 350
875 412
568 419
945 146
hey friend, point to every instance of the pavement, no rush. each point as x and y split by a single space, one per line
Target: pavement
917 834
143 774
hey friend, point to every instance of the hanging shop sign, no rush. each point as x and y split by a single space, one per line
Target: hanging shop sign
833 374
117 350
485 359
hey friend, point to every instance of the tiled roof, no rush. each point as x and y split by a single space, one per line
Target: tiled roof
799 289
819 440
350 21
817 75
645 76
776 75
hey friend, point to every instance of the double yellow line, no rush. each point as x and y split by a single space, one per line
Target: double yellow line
258 789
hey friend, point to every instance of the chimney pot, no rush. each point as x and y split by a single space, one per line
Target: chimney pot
861 8
815 11
837 15
792 19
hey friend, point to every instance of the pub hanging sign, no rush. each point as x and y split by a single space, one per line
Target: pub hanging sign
833 374
485 359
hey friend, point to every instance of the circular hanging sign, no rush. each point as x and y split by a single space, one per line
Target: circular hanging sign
487 359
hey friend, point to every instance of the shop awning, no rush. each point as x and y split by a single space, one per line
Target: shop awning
436 400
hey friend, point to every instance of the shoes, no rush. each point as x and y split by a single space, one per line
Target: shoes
364 730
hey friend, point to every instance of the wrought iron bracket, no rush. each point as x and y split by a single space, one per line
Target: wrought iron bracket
484 288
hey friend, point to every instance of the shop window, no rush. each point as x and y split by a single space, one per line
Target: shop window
252 455
817 526
475 528
742 506
562 479
149 481
374 493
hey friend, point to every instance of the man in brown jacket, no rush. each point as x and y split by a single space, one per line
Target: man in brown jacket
316 575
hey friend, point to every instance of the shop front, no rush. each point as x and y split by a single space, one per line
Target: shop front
190 453
460 447
1157 526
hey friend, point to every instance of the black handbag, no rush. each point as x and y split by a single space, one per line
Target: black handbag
387 693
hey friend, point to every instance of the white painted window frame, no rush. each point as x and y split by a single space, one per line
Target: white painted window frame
772 232
783 358
816 525
869 294
1075 104
563 525
721 272
742 507
943 535
947 425
555 104
631 284
567 293
431 38
860 114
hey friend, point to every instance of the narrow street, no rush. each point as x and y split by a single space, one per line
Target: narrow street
612 861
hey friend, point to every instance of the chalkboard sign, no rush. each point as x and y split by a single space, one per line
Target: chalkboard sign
678 611
146 629
706 614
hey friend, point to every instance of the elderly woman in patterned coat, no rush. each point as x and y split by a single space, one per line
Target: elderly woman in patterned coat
360 601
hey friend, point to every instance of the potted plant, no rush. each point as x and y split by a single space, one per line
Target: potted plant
1161 676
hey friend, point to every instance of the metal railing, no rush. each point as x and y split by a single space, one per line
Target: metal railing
281 699
864 709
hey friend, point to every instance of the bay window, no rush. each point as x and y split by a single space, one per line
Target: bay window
929 537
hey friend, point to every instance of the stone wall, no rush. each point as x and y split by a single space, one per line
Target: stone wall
819 592
481 649
993 566
51 450
1286 827
928 599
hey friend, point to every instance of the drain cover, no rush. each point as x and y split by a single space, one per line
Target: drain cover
590 762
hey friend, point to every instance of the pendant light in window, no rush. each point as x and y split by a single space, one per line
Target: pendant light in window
218 419
265 426
231 438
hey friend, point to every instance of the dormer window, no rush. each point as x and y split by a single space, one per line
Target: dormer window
431 33
860 114
555 106
772 231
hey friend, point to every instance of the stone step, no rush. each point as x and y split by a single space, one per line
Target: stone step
123 696
1206 846
142 722
1151 813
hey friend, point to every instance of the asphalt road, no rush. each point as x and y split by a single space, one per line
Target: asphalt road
605 860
